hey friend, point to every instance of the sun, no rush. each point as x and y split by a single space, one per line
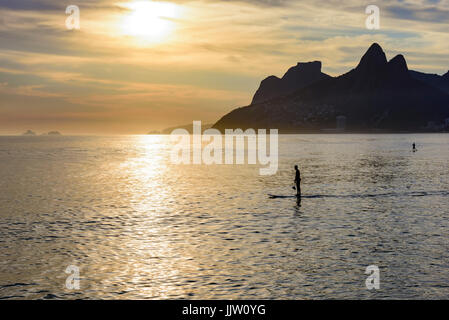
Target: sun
150 20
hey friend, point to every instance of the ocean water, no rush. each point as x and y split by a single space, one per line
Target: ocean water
138 226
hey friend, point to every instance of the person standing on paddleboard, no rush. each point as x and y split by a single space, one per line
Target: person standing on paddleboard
298 181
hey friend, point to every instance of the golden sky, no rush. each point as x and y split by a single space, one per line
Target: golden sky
137 66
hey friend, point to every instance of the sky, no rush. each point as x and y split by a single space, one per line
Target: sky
137 66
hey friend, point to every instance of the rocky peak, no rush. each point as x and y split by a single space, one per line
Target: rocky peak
303 69
373 59
297 77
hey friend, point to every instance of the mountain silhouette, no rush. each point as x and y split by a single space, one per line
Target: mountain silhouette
295 78
376 95
441 82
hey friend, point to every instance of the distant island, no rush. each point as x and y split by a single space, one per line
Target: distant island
32 133
376 96
54 133
29 133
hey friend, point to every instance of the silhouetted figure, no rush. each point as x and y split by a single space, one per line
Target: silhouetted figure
414 147
298 201
298 181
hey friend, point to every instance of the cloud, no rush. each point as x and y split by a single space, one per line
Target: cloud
212 62
31 5
431 14
52 5
260 3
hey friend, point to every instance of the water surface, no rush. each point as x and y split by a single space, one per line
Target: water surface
138 226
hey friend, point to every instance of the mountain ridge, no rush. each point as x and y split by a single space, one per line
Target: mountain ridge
296 77
376 95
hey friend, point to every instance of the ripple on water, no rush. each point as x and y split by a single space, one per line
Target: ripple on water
138 226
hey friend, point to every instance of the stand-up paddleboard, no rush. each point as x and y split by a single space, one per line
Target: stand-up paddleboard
275 196
362 196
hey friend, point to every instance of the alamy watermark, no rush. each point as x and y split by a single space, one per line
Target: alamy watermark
73 20
189 149
73 280
373 280
373 20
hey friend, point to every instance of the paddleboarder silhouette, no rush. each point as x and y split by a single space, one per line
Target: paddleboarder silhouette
298 181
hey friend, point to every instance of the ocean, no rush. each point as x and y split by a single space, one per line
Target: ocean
135 225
